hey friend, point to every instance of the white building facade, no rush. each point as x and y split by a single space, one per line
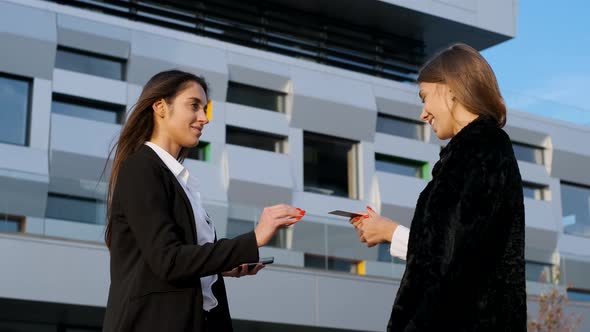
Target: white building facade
314 106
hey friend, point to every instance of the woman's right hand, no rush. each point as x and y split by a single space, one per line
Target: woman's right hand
373 228
357 222
273 218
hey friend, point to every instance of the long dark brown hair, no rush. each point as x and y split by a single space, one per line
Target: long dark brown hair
470 78
139 126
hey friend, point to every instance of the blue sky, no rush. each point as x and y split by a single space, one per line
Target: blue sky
545 69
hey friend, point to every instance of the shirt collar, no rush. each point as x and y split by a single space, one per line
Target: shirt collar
175 167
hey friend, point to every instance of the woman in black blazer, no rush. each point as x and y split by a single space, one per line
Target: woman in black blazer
465 253
162 243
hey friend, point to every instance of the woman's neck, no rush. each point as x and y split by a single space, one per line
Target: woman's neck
462 118
172 148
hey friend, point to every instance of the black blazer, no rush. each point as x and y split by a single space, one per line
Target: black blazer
465 264
155 264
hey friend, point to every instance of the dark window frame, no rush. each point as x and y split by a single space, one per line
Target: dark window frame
353 159
92 54
120 110
281 95
550 278
204 148
422 132
535 186
578 294
29 111
330 261
535 148
576 185
282 141
279 239
20 220
96 201
419 165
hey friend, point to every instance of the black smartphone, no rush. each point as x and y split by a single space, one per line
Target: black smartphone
263 260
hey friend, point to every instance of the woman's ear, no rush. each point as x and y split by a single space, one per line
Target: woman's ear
451 95
159 107
451 101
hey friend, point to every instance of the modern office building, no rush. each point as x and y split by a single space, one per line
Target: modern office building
314 106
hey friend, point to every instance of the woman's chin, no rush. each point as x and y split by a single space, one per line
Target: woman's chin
442 136
191 143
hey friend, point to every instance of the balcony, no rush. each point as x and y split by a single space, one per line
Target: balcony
258 177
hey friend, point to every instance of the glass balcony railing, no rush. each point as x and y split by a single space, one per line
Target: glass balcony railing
320 243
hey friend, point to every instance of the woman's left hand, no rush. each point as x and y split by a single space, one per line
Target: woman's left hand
242 270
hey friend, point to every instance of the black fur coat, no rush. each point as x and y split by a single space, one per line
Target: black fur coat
465 264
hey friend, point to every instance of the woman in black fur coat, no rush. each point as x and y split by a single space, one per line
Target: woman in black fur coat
465 252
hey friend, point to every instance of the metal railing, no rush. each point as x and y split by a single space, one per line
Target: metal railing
271 27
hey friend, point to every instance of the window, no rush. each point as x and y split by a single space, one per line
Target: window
72 208
539 272
575 203
528 153
330 263
279 240
392 125
248 95
384 254
534 191
330 165
401 166
578 294
200 152
9 223
14 116
90 63
255 139
237 227
87 109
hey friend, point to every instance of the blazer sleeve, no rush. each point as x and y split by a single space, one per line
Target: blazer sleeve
142 198
459 219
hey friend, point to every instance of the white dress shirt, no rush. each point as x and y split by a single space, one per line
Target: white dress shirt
204 227
399 242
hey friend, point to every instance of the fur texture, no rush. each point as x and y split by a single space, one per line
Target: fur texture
465 269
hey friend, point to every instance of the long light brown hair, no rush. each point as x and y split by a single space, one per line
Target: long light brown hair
470 78
139 126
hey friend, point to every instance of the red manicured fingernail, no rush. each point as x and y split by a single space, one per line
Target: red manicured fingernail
298 218
365 216
298 209
369 208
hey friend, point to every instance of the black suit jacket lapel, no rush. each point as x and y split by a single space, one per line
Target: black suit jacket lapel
188 206
179 190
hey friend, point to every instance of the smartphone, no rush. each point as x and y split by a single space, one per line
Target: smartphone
342 213
264 261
